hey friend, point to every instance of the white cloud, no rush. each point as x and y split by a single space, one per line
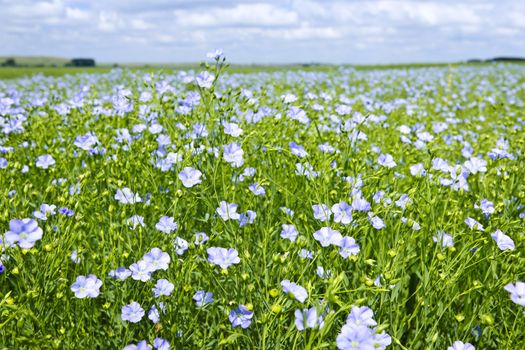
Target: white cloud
39 9
109 21
304 32
241 15
140 24
76 14
264 30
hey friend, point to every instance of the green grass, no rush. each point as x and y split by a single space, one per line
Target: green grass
427 296
28 71
17 72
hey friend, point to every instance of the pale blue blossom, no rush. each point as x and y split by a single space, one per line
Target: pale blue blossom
517 292
322 212
136 220
45 161
327 236
459 345
289 232
157 259
180 245
24 232
296 291
474 224
203 298
201 238
166 224
475 165
132 312
503 241
163 287
232 129
125 196
376 222
348 247
342 213
141 271
205 79
228 211
190 177
386 160
86 286
298 150
241 316
257 189
444 239
233 154
306 318
223 257
418 170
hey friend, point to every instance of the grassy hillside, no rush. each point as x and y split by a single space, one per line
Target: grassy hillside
46 67
36 60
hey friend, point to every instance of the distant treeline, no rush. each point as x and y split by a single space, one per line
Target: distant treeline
42 62
10 62
497 59
75 62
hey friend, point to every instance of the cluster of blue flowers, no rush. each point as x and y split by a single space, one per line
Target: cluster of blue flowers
359 333
228 208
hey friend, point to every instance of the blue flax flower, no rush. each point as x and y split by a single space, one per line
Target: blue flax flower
157 259
142 345
86 287
166 224
45 161
203 298
355 338
228 211
223 257
296 291
163 287
25 232
328 236
241 316
190 177
517 292
180 245
459 345
289 232
161 344
306 318
233 154
132 312
503 241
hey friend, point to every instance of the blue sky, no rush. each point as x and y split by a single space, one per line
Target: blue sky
285 31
